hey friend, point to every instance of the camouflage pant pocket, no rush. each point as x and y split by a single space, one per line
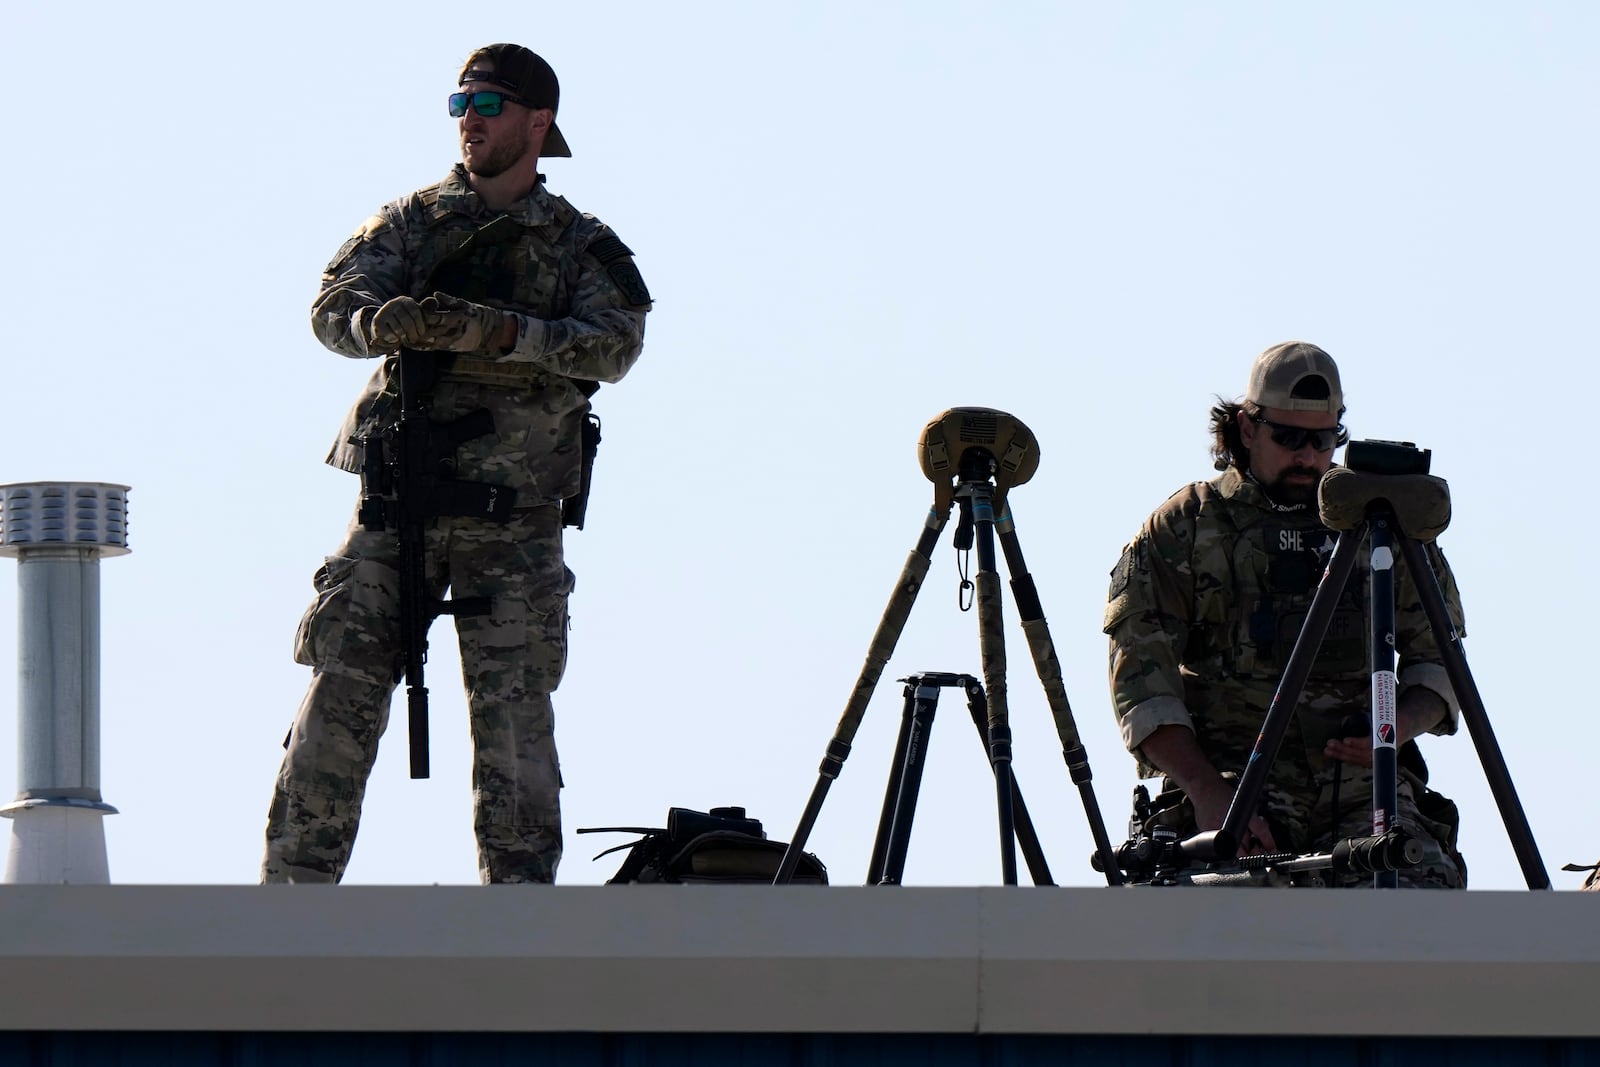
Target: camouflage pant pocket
351 628
550 623
517 650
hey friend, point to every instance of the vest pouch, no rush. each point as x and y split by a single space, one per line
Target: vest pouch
1344 644
1443 820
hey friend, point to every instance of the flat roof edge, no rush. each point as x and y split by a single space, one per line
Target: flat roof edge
800 959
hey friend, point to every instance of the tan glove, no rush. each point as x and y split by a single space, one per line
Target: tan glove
399 323
457 325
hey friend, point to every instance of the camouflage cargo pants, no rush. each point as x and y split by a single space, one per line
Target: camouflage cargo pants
1309 815
512 660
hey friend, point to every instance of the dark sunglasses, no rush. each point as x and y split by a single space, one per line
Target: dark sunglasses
1294 438
487 103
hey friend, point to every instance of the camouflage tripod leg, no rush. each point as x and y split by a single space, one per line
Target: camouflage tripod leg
992 651
1048 667
878 653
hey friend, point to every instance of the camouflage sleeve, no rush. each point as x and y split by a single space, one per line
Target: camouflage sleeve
1148 611
603 332
1419 662
368 270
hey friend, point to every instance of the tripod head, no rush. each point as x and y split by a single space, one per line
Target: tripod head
1392 474
976 444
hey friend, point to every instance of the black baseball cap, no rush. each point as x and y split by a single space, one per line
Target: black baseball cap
523 74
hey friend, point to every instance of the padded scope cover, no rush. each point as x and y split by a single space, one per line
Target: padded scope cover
1420 502
947 439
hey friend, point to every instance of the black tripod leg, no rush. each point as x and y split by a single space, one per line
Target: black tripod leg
1385 763
1483 739
1295 673
1048 667
905 783
878 653
992 646
1027 836
902 741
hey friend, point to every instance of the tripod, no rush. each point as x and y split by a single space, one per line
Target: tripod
888 863
1382 496
973 456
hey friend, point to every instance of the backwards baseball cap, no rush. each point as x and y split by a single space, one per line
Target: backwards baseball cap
525 76
1296 376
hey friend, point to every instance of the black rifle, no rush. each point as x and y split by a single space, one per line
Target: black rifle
406 470
1154 854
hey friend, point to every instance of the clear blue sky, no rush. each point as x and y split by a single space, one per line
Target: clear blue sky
852 217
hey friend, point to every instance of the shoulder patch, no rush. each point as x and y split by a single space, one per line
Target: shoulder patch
1132 559
346 250
626 276
617 258
609 248
369 229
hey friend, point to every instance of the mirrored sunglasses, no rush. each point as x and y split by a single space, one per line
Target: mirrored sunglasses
1294 438
487 103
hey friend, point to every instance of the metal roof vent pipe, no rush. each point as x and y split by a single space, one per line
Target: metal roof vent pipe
58 531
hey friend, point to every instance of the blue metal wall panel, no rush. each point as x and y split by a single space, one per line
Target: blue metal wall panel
80 1049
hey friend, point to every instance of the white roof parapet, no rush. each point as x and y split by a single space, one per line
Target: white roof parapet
799 959
64 514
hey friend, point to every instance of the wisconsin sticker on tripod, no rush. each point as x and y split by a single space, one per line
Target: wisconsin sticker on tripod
1383 708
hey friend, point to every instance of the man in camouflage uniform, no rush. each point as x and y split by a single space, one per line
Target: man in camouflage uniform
1206 603
558 308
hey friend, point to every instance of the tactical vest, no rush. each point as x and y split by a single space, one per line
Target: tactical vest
534 274
1272 562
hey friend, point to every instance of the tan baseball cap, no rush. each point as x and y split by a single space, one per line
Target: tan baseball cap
1296 376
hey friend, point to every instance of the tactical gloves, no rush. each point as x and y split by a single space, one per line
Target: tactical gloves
400 323
439 323
457 325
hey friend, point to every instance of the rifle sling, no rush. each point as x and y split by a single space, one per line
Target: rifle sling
478 500
448 436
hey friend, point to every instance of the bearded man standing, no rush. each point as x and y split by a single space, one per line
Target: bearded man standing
557 308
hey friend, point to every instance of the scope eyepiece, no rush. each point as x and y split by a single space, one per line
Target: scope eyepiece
1394 850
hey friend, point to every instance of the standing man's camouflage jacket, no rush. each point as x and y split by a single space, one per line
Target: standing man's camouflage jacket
572 278
1204 609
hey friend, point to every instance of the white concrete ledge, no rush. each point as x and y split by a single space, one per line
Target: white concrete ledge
798 960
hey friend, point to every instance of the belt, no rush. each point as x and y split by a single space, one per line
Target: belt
491 372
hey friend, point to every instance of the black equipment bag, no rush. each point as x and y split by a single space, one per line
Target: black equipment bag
696 847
